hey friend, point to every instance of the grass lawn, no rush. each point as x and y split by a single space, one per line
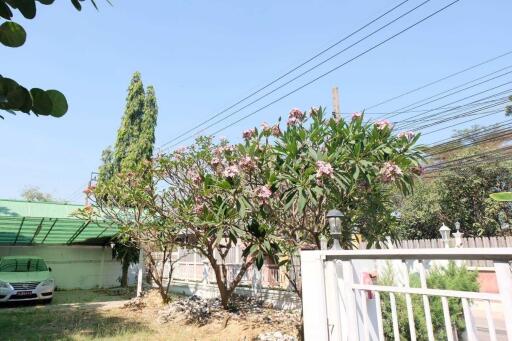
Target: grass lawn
87 296
54 322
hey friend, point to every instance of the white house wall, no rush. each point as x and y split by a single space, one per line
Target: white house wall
75 267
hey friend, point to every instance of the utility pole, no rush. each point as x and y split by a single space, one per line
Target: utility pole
92 181
336 103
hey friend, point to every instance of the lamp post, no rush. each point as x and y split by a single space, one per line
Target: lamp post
458 235
334 218
445 235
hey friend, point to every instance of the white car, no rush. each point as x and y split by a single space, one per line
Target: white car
25 278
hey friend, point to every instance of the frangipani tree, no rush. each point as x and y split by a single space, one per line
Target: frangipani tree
322 163
129 200
216 194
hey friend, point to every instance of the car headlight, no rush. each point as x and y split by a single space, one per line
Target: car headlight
4 285
47 283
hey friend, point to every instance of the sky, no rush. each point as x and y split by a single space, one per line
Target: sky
202 56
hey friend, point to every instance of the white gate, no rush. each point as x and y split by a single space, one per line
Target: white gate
340 301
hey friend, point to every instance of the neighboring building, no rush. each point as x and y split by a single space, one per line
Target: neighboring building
78 251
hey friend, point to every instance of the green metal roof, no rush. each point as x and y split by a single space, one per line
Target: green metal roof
26 223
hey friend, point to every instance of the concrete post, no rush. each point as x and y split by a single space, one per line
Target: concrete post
140 272
313 296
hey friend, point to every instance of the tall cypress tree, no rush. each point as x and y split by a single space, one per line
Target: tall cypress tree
134 144
142 149
131 122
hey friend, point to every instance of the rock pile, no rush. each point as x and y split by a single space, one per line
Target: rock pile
275 336
136 303
201 311
192 309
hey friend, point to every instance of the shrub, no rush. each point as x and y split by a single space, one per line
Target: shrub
452 277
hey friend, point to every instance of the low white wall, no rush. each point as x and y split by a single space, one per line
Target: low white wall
76 267
280 299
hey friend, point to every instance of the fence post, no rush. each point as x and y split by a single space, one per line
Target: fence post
256 280
504 279
140 272
206 272
313 296
333 301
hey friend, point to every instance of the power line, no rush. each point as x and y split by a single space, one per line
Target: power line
407 125
447 93
330 71
440 80
288 72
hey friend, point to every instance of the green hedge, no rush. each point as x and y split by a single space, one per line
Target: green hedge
452 277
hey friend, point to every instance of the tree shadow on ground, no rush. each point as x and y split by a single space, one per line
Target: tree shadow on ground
69 323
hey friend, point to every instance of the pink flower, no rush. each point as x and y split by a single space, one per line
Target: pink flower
215 162
356 115
247 163
223 140
323 169
390 172
276 131
292 121
248 134
199 209
409 135
194 176
267 129
263 193
383 124
89 189
231 172
296 113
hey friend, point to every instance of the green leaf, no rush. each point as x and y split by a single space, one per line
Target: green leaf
259 260
46 2
12 34
42 104
26 7
5 11
77 4
59 103
502 196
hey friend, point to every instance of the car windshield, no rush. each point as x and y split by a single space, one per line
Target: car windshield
22 265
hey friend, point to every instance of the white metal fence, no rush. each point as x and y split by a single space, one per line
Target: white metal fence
341 303
194 267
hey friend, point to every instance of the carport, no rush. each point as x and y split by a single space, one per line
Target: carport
77 250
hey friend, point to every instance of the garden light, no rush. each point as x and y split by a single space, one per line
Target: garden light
445 235
334 219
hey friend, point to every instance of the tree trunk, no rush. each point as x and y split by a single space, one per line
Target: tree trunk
124 275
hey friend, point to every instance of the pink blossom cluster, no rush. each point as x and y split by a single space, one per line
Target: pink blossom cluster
178 152
383 124
323 169
223 149
89 189
248 134
390 172
295 117
408 135
216 162
263 193
356 115
194 176
276 131
231 171
266 128
247 163
199 205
